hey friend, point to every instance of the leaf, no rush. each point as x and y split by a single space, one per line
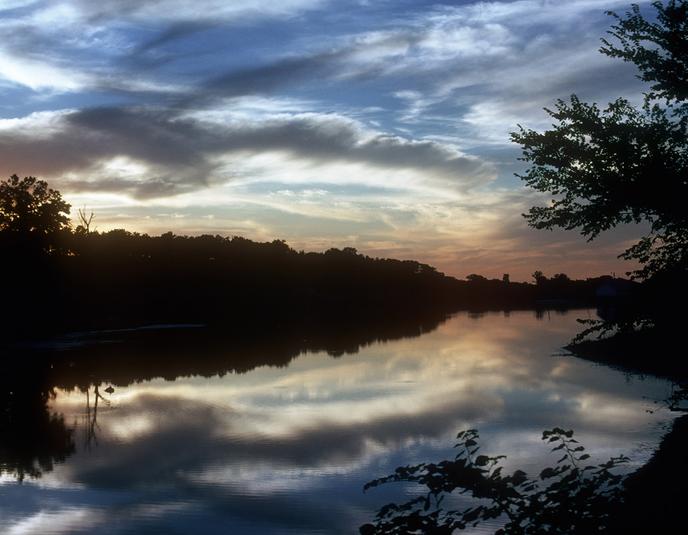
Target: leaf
573 496
482 460
519 477
547 473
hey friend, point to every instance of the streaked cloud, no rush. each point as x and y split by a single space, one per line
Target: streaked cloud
156 153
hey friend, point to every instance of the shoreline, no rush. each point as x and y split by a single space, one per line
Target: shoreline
650 505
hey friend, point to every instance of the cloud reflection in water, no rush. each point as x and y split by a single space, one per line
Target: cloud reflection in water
288 449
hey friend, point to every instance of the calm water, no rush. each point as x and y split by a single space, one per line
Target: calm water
283 440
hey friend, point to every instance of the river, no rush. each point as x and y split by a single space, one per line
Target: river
279 434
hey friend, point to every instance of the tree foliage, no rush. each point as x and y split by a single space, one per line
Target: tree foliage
568 498
29 206
620 164
658 48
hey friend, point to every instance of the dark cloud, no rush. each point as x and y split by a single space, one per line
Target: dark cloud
180 151
113 10
173 32
267 78
177 150
304 69
194 435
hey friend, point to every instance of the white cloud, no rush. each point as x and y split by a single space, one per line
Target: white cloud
62 521
494 64
38 75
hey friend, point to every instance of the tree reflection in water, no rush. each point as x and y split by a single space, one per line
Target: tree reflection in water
91 416
32 439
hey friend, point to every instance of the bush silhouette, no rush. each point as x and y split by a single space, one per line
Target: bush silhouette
569 498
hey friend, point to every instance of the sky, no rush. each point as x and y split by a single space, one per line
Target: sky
376 124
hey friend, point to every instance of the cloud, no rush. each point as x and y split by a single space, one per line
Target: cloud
356 57
147 11
215 439
81 144
502 62
42 39
181 10
37 74
67 520
267 78
156 153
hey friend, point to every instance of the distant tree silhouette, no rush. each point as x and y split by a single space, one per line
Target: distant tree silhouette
539 277
621 164
123 278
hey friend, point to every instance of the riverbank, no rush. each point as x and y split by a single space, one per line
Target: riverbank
655 494
647 352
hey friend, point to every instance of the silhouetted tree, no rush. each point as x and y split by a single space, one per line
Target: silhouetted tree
30 211
621 164
539 277
85 220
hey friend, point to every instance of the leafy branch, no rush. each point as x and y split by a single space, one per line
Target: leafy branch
570 497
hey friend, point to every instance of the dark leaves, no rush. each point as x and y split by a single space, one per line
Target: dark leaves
567 498
620 164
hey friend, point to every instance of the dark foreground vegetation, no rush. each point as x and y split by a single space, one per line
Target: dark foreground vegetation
654 496
573 496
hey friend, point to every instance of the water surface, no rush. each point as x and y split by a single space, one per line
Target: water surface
265 435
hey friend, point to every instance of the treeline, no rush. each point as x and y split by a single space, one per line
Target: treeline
119 278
